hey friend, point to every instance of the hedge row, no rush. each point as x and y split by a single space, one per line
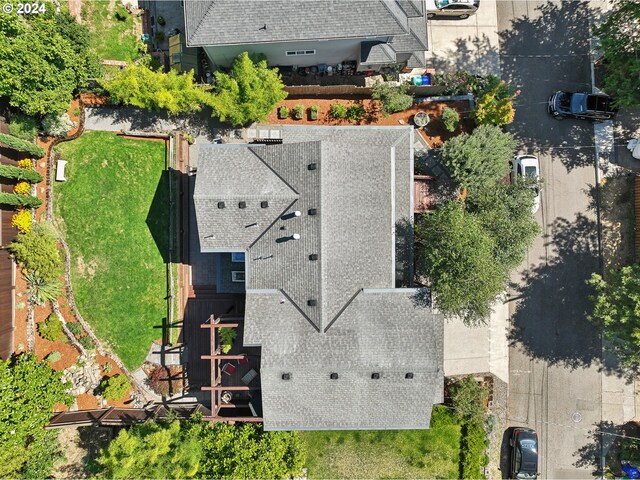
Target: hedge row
9 171
21 145
20 200
473 446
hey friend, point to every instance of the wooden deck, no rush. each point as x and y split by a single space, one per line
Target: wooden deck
424 199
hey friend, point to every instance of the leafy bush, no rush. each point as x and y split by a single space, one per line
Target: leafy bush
20 200
165 381
298 112
227 336
394 98
338 111
25 163
19 173
314 112
23 127
37 251
472 451
116 387
107 367
42 290
494 105
355 112
75 328
21 145
121 13
51 328
22 188
22 220
283 112
459 83
57 125
86 342
468 398
450 119
54 357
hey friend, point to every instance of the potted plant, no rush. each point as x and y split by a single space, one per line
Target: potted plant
313 112
283 112
298 112
227 336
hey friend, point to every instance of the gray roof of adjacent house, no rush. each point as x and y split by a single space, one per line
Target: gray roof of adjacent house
325 219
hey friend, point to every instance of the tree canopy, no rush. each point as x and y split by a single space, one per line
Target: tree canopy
193 449
620 39
494 105
616 309
45 57
481 159
248 92
28 391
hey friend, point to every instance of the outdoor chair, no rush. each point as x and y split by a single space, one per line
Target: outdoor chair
243 361
229 368
249 376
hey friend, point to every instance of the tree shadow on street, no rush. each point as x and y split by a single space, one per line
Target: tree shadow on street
472 54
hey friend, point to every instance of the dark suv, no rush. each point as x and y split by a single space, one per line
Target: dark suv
590 106
524 453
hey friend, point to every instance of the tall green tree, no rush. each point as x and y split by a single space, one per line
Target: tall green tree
620 38
616 309
45 57
248 93
28 391
481 159
141 86
457 254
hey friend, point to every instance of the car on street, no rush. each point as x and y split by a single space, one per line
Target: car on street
524 453
527 167
452 8
590 106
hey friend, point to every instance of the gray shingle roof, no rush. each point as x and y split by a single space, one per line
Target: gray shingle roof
416 40
225 22
412 8
376 53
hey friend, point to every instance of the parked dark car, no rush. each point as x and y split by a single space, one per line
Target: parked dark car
590 106
524 453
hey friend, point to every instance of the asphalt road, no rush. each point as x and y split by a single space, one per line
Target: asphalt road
554 378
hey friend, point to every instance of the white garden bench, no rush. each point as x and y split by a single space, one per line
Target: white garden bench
60 171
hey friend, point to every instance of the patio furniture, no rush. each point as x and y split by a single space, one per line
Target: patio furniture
243 361
60 171
249 376
229 368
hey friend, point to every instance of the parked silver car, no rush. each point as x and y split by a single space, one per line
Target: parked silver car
452 8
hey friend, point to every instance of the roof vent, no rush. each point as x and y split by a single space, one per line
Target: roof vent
242 204
312 303
295 236
333 376
286 376
220 204
313 211
375 376
312 166
408 376
297 213
313 257
264 204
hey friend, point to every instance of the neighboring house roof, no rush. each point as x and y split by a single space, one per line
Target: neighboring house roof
329 294
232 22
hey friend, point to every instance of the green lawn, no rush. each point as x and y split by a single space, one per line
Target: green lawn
433 453
111 39
114 212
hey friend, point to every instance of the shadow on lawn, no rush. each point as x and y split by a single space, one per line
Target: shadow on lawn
158 217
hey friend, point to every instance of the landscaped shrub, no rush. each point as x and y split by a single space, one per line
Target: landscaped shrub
355 112
494 105
298 112
450 119
19 200
22 188
313 110
41 289
227 336
338 111
23 127
86 342
459 83
473 446
165 381
107 367
21 145
37 251
394 98
121 13
283 112
75 328
57 125
22 220
51 328
54 357
25 163
116 387
19 173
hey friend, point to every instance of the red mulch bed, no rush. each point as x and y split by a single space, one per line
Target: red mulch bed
434 133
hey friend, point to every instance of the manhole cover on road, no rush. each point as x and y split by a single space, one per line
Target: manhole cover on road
576 417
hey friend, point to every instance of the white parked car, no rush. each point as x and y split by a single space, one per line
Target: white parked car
452 8
527 166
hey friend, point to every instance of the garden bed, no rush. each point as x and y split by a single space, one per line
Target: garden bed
434 133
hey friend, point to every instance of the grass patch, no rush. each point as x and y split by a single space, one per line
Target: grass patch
433 453
111 38
114 212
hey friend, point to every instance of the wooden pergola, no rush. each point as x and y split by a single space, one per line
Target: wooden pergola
216 388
